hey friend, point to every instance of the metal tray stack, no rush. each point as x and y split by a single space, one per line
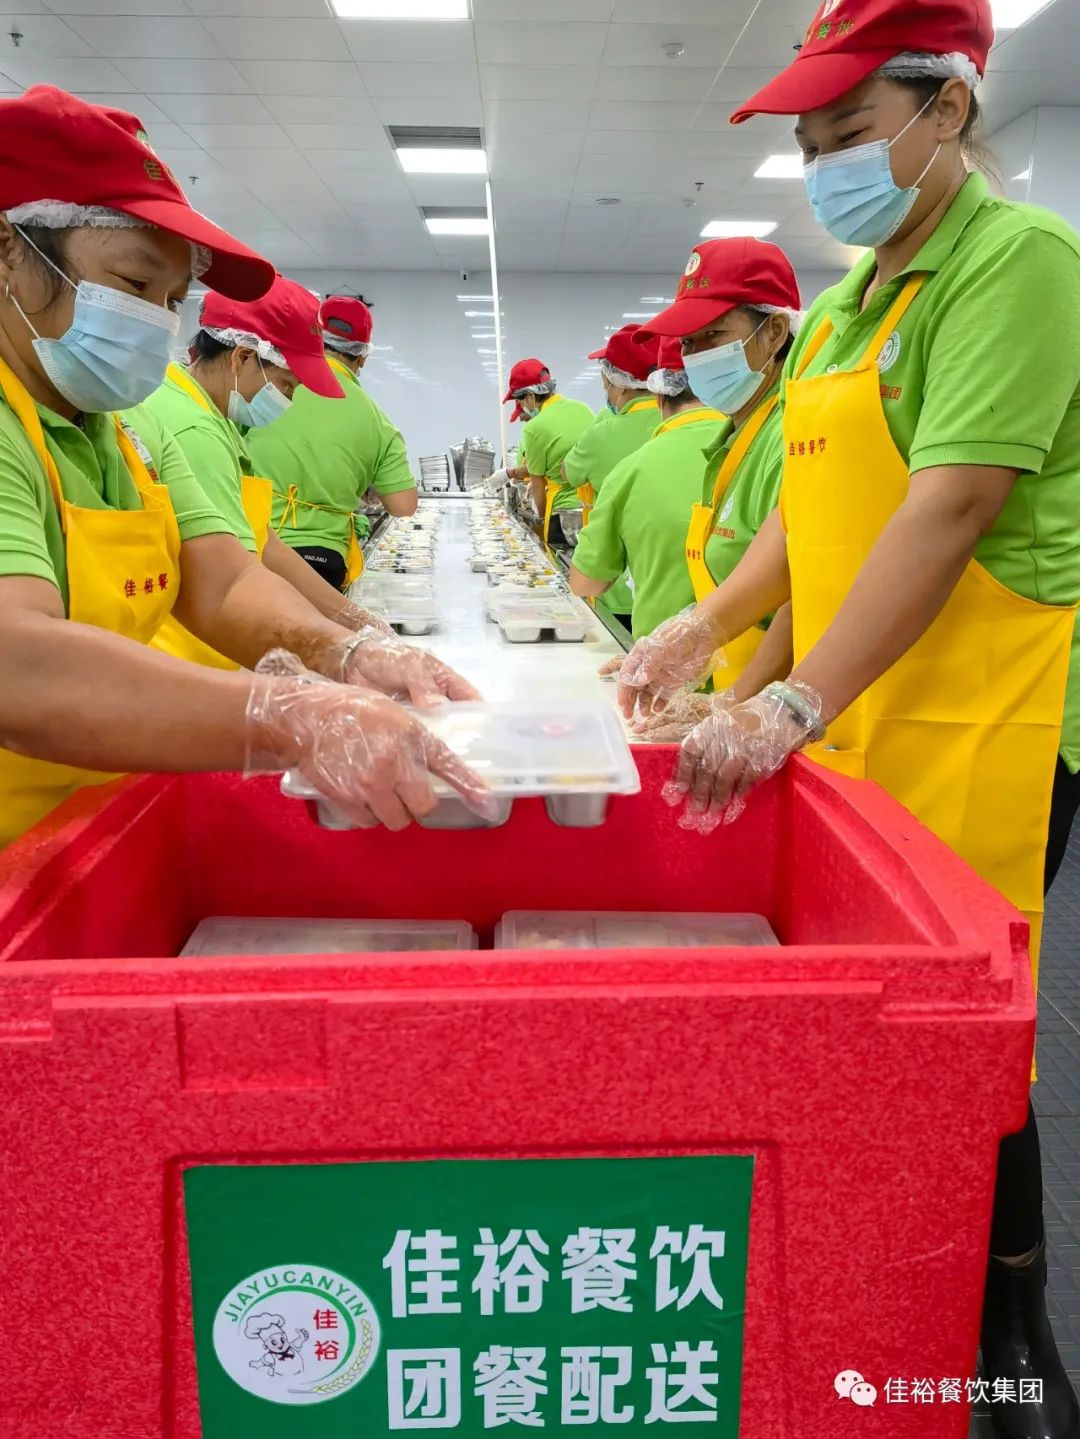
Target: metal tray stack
435 474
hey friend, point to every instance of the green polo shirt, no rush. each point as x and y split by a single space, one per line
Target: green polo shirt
751 495
549 438
605 444
94 476
212 446
332 451
984 369
640 519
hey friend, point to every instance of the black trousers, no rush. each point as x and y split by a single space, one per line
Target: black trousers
1017 1225
328 564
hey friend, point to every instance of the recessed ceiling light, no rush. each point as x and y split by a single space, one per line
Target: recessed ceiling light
1011 14
736 229
479 228
656 300
442 162
609 200
780 167
401 9
488 299
1024 174
638 315
478 314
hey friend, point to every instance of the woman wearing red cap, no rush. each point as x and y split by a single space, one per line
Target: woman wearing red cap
104 533
929 536
247 359
554 425
323 458
733 315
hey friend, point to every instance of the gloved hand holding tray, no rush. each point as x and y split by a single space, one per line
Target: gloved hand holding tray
572 753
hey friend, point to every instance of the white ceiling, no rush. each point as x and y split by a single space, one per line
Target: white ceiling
278 109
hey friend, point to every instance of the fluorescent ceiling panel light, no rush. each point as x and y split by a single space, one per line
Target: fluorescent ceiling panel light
401 9
1024 174
442 162
487 299
638 315
1011 14
477 228
654 300
736 229
479 314
780 167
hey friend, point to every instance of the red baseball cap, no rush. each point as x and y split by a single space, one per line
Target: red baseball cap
345 318
671 355
850 39
721 274
638 357
57 147
286 317
517 414
525 374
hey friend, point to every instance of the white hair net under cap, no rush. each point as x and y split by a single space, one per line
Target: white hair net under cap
63 215
548 388
621 379
263 348
669 383
355 349
914 66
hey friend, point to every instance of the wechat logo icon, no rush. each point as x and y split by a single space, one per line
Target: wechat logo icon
849 1384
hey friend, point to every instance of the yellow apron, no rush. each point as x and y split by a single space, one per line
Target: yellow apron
354 559
964 729
740 651
257 498
123 570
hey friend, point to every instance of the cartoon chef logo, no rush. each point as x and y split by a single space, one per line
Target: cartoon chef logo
296 1334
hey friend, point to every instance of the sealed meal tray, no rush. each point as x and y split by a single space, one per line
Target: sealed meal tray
528 622
228 934
589 929
574 753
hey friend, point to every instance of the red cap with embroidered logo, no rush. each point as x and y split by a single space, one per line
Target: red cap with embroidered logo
286 317
344 318
57 147
525 374
721 274
516 415
850 39
638 357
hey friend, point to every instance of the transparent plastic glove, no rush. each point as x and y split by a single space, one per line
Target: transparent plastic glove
355 617
361 751
384 663
680 654
731 751
496 482
683 713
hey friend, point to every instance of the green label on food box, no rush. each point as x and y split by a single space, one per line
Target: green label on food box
339 1300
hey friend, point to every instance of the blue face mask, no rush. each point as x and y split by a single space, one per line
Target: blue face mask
264 407
722 377
854 195
115 352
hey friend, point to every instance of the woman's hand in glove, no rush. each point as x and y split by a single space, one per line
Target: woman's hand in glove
680 654
683 713
732 750
361 751
356 618
399 670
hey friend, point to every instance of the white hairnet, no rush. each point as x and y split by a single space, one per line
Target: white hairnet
355 349
914 66
621 379
669 383
548 388
266 352
63 215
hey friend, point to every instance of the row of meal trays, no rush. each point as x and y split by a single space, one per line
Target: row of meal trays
398 582
572 753
527 598
407 544
518 929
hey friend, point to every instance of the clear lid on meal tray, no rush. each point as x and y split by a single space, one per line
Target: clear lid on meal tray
228 934
587 929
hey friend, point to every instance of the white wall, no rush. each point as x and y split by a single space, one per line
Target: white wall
1037 153
431 379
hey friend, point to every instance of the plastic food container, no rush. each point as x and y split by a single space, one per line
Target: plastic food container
529 622
573 753
414 613
595 929
227 934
